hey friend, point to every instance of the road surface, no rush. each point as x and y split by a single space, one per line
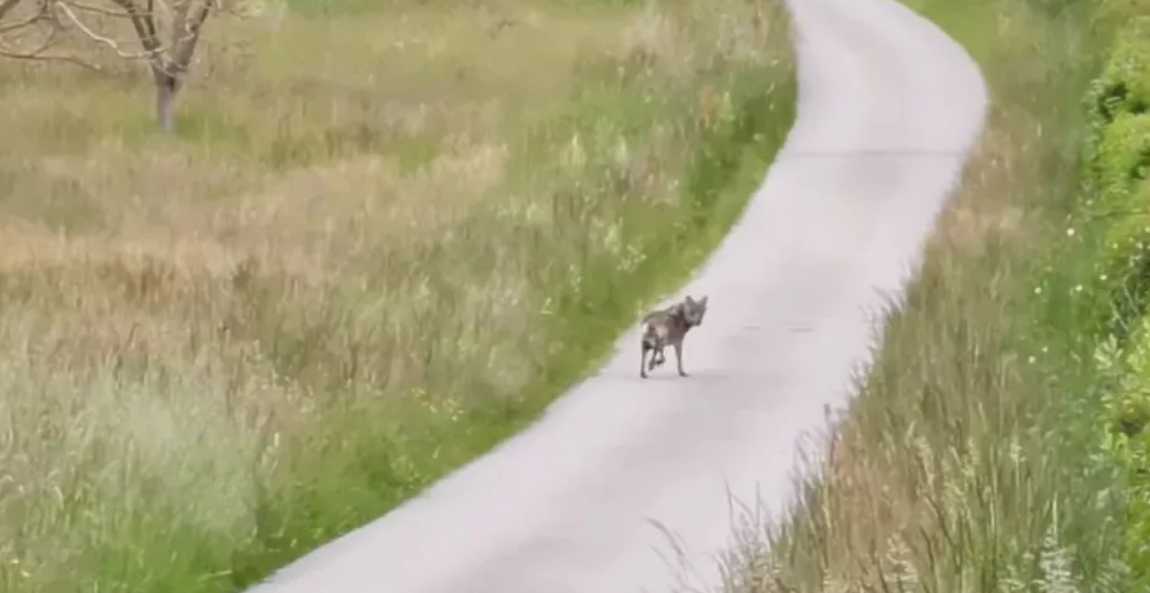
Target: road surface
583 500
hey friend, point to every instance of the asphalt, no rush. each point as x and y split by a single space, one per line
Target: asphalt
590 498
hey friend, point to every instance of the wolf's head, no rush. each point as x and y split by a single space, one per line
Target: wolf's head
694 311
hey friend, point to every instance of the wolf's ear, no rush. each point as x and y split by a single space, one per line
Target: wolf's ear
689 300
703 301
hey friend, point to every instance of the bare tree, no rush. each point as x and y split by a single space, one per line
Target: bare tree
161 33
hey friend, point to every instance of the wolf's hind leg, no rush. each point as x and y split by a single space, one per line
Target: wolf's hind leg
657 358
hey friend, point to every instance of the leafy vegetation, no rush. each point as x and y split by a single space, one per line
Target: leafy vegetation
1119 170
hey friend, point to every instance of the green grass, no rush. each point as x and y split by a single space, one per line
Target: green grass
974 458
385 237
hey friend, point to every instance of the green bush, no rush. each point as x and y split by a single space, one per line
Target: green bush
1125 84
1123 156
1121 91
1118 160
1119 221
1127 439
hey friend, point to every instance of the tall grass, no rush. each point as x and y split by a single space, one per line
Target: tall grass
386 236
970 461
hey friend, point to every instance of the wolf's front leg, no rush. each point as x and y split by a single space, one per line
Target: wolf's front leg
679 358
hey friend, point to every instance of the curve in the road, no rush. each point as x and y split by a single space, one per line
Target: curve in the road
889 109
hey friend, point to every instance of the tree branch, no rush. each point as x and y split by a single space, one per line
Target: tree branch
145 27
167 35
45 44
96 9
186 33
7 5
108 42
50 58
40 53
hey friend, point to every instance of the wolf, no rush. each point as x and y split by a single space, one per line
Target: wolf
669 326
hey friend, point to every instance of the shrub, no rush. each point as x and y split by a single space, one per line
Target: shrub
1118 157
1125 84
1119 164
1127 439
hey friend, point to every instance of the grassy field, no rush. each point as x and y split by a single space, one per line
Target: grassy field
384 236
975 459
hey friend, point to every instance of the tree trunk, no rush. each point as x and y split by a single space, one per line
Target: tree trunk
167 88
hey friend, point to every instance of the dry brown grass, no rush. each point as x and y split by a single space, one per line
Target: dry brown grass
383 237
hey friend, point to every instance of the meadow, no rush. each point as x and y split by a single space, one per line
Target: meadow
382 237
1000 441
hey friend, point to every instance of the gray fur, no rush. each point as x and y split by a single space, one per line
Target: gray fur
669 326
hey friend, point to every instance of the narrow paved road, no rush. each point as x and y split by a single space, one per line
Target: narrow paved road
889 106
